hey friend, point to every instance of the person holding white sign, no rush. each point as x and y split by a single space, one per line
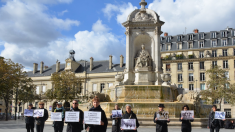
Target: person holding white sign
59 125
186 124
29 120
104 121
116 122
129 114
214 124
40 121
78 125
161 125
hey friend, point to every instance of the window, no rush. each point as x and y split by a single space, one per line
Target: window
190 65
190 45
201 54
168 67
224 34
168 39
227 74
20 109
201 36
43 89
225 53
214 35
179 66
225 102
168 47
180 85
214 53
180 78
202 76
201 44
190 76
179 45
94 88
226 85
37 90
225 64
233 41
102 86
214 63
190 37
179 38
224 42
214 44
228 113
110 84
190 86
216 102
202 65
202 86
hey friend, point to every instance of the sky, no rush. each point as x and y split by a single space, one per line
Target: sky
32 31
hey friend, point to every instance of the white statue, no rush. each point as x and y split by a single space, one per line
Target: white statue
143 57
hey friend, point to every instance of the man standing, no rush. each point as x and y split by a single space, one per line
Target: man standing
76 126
29 120
129 114
59 125
214 124
40 121
161 125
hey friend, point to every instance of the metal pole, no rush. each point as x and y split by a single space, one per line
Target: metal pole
16 102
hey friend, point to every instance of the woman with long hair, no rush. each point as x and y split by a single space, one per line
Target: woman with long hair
186 123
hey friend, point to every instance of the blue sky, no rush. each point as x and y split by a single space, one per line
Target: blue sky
32 31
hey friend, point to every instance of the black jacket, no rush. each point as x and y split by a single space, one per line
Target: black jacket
213 122
29 120
186 124
161 125
44 118
116 127
229 125
76 126
131 116
99 128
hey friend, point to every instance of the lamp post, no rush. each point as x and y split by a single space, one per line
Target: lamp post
196 85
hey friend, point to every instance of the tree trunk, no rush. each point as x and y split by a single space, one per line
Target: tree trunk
220 104
6 110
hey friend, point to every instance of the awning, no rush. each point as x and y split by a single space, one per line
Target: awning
168 53
190 53
179 53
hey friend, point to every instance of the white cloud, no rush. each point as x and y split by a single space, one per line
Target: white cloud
25 23
98 43
206 15
62 13
122 11
99 27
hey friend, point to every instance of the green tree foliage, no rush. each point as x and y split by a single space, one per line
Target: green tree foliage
218 87
14 81
65 86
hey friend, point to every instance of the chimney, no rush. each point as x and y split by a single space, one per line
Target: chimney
195 30
35 67
121 61
110 62
165 34
91 63
45 67
57 66
41 67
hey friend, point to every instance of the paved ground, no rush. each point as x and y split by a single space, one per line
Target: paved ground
19 126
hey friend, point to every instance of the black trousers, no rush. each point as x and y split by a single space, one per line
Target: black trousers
40 127
30 127
58 126
214 128
186 129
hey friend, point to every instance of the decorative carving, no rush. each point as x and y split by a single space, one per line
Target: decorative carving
143 16
165 78
143 57
158 31
207 53
128 32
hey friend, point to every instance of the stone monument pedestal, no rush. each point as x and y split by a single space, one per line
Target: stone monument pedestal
143 76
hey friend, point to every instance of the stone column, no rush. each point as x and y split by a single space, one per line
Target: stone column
35 67
121 61
91 63
57 66
45 67
110 62
41 67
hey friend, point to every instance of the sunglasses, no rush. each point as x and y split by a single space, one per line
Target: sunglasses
41 104
75 103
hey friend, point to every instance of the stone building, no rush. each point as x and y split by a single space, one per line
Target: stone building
187 56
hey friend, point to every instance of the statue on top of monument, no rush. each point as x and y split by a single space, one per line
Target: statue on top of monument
143 57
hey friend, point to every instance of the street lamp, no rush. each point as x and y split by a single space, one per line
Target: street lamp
196 85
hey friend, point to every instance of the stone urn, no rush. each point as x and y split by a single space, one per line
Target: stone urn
118 79
165 78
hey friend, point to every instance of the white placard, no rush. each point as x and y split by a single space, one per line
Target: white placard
72 116
116 113
164 115
92 117
38 113
220 115
128 124
187 115
28 112
56 116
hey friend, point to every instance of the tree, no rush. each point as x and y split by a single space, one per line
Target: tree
218 87
65 86
14 83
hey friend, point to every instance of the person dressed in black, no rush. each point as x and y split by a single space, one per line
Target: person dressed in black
104 121
129 114
59 125
161 125
186 123
40 121
29 120
229 124
116 122
214 124
76 126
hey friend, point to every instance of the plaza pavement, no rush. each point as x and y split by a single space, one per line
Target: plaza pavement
19 126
